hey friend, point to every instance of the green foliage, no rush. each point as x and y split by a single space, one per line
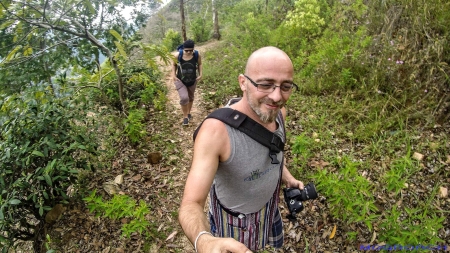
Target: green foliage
306 17
335 63
222 87
143 85
200 30
415 226
48 242
172 40
121 206
399 173
45 142
134 125
302 148
349 194
37 51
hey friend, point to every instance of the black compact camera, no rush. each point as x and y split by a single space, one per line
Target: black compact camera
295 196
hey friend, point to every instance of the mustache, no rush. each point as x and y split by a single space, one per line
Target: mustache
267 100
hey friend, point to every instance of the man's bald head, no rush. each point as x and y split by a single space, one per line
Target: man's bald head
271 54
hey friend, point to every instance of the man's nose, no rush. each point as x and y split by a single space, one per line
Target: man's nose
275 95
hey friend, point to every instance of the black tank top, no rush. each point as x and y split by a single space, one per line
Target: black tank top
188 72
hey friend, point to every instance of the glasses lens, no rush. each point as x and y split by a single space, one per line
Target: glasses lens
265 87
286 87
188 51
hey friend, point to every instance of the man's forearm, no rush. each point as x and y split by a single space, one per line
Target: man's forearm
193 220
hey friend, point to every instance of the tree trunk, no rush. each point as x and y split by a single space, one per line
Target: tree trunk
216 34
183 21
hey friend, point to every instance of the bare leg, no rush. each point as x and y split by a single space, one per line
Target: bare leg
185 109
189 107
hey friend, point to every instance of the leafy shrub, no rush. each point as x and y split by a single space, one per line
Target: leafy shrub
302 149
349 193
134 125
44 143
142 84
121 206
403 225
172 39
200 30
306 17
222 87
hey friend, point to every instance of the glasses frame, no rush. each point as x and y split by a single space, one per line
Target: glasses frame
188 51
294 88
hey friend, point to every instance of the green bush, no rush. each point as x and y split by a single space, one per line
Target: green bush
306 17
134 125
121 206
172 40
222 87
142 85
44 143
349 194
200 30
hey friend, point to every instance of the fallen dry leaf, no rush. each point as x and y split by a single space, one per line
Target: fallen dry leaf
118 179
443 192
111 187
418 156
333 232
374 235
171 236
137 177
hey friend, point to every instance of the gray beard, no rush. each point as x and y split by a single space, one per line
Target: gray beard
264 117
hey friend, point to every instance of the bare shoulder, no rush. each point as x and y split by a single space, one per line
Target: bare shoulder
212 127
212 138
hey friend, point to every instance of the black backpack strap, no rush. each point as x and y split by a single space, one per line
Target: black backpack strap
180 56
251 128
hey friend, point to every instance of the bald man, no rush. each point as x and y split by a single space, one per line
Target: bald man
237 171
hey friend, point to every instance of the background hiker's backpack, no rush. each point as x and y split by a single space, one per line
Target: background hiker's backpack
180 55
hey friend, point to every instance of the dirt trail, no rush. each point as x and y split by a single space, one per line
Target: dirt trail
185 132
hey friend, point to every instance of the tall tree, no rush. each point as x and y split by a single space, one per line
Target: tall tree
216 33
53 34
183 21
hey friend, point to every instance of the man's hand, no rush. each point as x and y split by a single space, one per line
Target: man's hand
294 183
210 244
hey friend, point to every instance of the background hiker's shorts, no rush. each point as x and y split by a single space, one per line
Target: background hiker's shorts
186 93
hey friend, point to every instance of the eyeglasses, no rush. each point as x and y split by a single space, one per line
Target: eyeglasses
270 87
189 50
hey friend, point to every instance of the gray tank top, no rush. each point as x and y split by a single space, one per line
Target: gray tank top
247 180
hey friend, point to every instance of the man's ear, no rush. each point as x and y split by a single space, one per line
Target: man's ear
242 84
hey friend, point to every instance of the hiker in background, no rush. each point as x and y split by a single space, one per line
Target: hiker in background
240 174
184 74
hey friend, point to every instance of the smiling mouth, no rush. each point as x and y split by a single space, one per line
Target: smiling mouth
272 106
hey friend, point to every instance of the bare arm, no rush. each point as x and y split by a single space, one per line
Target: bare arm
211 145
200 67
174 67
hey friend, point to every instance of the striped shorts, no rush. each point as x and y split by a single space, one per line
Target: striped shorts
255 230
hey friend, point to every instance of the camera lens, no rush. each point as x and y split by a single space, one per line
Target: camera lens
309 192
